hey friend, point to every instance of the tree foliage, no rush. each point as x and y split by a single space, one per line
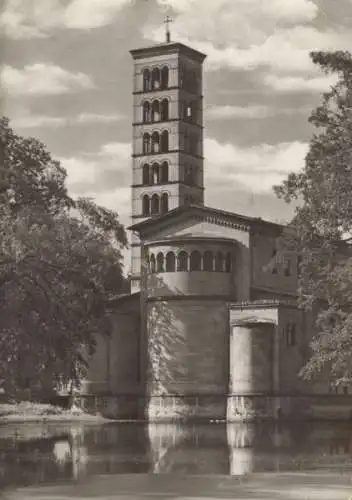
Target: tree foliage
322 224
60 264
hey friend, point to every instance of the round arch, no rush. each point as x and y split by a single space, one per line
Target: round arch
165 77
146 79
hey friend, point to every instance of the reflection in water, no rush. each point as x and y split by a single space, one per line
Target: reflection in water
240 441
37 454
62 452
201 449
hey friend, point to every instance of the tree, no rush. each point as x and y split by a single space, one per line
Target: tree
322 224
60 265
30 177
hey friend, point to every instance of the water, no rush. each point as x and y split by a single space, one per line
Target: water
38 454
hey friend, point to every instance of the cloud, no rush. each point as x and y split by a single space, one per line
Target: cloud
118 199
281 50
120 149
25 19
104 176
234 175
38 121
89 118
255 169
248 34
42 79
13 24
86 14
300 84
228 167
100 174
228 112
275 10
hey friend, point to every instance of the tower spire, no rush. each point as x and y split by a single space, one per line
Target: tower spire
167 22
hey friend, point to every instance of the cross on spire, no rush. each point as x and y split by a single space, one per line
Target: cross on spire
167 22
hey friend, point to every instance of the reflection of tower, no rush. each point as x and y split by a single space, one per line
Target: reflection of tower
167 134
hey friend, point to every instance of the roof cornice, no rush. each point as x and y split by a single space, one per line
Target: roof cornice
207 214
167 49
264 304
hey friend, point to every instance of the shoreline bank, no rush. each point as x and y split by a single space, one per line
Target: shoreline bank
27 412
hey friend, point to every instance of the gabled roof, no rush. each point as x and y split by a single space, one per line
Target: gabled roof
191 210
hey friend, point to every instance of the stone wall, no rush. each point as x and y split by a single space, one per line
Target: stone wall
219 408
188 356
291 353
114 368
201 283
98 373
251 359
125 353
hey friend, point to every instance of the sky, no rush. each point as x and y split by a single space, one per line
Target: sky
66 78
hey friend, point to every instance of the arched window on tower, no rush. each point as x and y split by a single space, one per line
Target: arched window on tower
164 110
156 111
146 176
189 175
208 261
165 141
146 80
160 262
152 263
146 206
155 142
155 173
156 78
155 205
219 262
146 112
170 262
181 76
195 261
193 81
146 143
228 262
164 172
193 144
182 261
189 111
274 262
186 146
165 77
164 203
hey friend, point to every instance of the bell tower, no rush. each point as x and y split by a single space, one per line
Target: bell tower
167 146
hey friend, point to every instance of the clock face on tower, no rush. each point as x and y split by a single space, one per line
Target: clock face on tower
167 160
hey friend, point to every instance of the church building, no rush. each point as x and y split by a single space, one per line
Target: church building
210 329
